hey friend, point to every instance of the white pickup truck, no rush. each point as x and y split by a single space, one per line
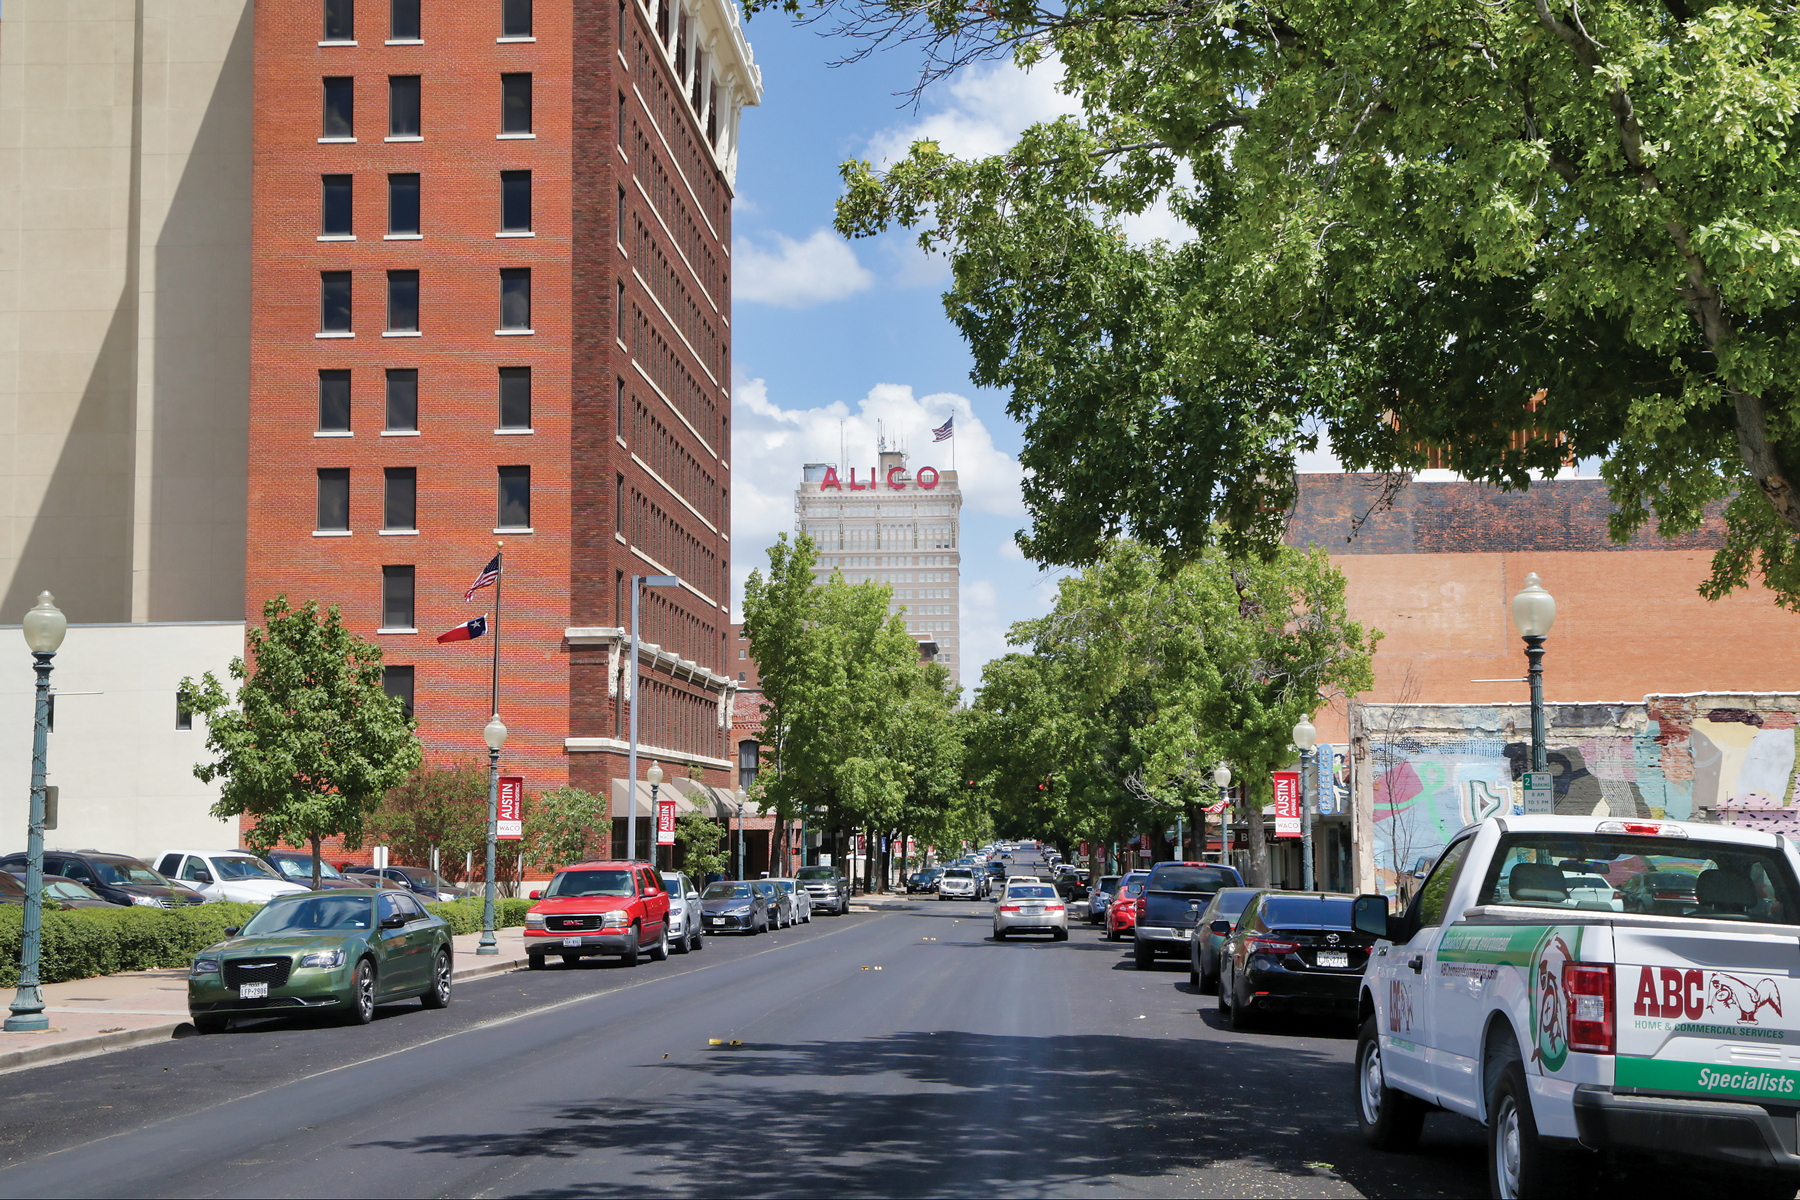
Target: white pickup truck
1581 982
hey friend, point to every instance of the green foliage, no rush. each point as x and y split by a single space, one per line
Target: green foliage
1518 233
566 825
439 805
701 841
311 743
464 916
78 943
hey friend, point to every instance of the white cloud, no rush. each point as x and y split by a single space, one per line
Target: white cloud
1010 549
793 274
983 632
981 111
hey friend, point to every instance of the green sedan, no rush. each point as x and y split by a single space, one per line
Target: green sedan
341 951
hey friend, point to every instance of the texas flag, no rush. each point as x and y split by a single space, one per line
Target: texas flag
468 630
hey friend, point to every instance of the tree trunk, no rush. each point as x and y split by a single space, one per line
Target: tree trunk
1259 844
315 848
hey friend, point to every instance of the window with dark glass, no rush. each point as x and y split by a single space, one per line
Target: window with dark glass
619 410
396 597
403 203
334 302
619 506
184 710
398 683
515 498
515 18
515 298
403 106
403 302
334 499
334 207
400 498
748 752
515 201
340 21
515 102
515 397
403 22
402 399
340 107
334 402
622 217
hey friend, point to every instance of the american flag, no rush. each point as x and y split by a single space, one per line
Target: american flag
944 432
490 574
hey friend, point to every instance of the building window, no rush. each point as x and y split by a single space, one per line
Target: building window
334 402
515 397
403 106
398 683
184 710
340 21
400 499
334 500
334 206
515 498
403 302
515 18
619 507
748 752
403 203
619 411
402 400
403 23
334 302
622 219
515 102
396 597
515 201
340 107
515 298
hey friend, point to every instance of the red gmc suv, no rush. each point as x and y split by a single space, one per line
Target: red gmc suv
599 908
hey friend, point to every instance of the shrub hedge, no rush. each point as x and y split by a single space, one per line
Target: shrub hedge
82 942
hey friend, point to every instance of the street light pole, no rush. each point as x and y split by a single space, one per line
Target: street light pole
1533 612
1222 779
495 737
44 627
1305 737
740 807
655 776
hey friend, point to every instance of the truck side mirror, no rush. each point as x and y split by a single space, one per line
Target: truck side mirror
537 895
1369 914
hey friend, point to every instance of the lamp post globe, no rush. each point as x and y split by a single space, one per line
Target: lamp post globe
495 737
1533 612
43 627
1222 776
495 734
1305 736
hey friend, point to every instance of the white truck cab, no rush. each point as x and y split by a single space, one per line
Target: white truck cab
1618 985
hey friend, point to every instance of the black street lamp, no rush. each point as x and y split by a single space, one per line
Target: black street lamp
44 627
1534 611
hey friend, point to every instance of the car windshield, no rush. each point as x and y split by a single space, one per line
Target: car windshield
1108 882
805 873
313 912
1231 902
119 871
301 868
1307 912
958 873
1190 879
68 889
1035 891
728 891
245 868
604 882
1674 877
786 885
427 879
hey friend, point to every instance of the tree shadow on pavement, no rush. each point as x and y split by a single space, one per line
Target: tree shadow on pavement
965 1114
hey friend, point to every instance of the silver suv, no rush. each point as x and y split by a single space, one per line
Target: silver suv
828 890
958 883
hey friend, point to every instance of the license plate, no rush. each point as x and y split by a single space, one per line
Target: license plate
571 941
1334 958
715 920
1034 912
253 991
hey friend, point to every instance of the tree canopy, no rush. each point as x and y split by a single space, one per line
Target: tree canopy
1508 233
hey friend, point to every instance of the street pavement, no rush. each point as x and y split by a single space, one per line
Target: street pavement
895 1052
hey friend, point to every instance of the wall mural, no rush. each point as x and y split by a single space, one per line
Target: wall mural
1685 758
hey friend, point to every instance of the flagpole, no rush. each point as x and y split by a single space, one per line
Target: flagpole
499 571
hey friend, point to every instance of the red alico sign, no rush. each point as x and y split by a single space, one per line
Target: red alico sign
511 824
896 479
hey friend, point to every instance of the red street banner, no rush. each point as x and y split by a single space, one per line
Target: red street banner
665 822
511 825
1287 804
1144 847
1084 850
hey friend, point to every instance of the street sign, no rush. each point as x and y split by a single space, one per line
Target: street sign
50 798
510 823
1539 795
1287 804
665 822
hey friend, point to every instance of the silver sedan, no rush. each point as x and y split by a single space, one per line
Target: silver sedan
1031 908
799 909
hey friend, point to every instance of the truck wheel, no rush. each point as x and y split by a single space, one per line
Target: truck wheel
660 951
211 1024
1389 1119
1515 1154
534 962
1143 955
630 957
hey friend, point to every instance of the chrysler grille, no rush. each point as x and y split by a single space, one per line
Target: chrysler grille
273 971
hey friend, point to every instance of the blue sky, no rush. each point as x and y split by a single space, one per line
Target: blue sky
826 331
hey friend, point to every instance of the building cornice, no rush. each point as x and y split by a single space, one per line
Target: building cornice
650 655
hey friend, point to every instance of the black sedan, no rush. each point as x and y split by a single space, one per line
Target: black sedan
1291 952
115 878
421 881
1215 925
923 881
734 908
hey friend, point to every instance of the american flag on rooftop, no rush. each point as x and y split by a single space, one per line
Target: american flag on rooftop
945 431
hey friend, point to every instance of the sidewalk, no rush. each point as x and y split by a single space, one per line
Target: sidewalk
111 1012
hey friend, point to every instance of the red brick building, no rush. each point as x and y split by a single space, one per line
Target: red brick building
491 304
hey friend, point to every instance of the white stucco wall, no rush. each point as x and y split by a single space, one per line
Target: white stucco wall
125 772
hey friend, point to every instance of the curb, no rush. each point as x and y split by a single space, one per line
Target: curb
125 1039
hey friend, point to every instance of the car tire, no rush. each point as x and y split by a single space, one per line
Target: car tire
534 962
1516 1155
1389 1119
1193 976
630 957
1142 955
660 951
999 935
1239 1018
1059 935
685 944
844 907
699 939
362 993
442 976
211 1024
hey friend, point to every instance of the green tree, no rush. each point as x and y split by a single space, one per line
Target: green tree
439 805
1516 233
565 825
702 845
311 744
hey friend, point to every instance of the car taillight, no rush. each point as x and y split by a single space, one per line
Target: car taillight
1011 908
1642 828
1269 945
1053 908
1589 987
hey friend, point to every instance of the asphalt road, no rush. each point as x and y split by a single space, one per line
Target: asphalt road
894 1053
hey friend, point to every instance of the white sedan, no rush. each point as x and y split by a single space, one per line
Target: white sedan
1031 908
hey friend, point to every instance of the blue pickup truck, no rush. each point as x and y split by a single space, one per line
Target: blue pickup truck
1173 897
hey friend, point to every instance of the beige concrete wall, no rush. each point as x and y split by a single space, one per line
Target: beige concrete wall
124 298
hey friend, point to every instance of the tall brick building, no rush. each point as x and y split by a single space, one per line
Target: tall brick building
490 303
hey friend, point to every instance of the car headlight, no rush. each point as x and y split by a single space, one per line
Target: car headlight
742 911
614 919
203 966
150 900
534 920
324 958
